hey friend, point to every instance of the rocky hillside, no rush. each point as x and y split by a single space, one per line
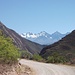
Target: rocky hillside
21 43
64 47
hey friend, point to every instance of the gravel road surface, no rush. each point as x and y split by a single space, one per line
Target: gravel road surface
48 69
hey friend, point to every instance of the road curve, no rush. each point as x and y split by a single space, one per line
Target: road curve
48 69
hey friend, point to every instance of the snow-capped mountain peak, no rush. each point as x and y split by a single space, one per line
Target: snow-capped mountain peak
43 37
43 33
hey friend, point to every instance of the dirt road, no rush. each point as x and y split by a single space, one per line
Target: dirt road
48 69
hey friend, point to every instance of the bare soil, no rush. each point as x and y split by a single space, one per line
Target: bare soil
15 69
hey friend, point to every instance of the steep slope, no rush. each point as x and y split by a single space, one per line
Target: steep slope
64 47
20 42
43 37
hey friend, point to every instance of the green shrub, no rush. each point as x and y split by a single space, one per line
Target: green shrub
50 59
25 54
37 57
8 52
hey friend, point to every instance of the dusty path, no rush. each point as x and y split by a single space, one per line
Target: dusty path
49 69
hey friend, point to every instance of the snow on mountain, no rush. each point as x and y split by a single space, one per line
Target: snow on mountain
29 35
32 35
43 37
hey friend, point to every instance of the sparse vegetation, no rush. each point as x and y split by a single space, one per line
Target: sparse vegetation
56 58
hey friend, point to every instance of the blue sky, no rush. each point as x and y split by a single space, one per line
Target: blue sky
38 15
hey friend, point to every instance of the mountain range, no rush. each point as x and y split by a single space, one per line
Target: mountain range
22 43
43 37
64 47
